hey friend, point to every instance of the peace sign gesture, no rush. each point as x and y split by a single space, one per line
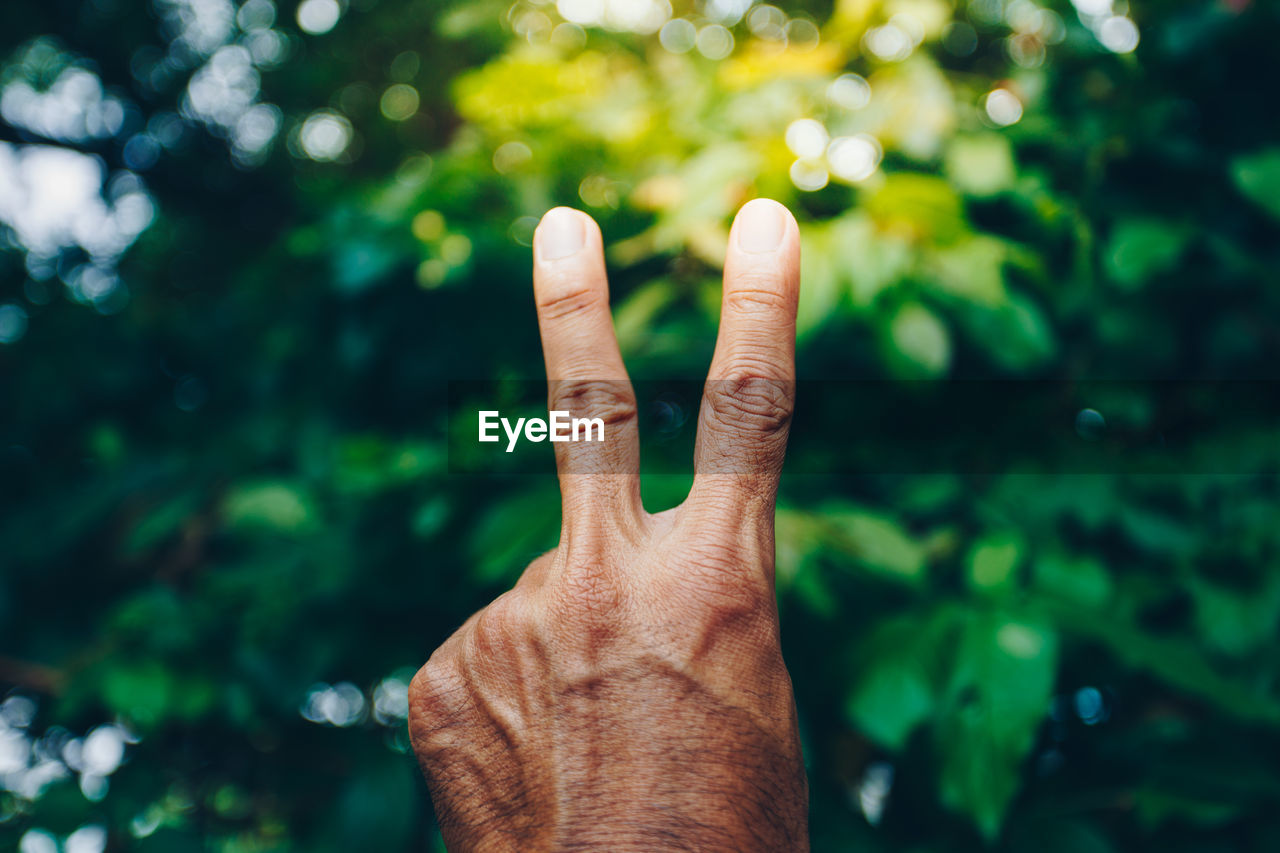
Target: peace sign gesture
629 692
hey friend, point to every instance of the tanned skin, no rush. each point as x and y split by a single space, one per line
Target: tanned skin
629 693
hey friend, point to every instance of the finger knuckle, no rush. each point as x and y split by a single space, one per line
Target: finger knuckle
757 294
612 402
435 694
748 400
499 630
561 298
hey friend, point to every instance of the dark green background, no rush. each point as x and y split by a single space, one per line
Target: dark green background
225 501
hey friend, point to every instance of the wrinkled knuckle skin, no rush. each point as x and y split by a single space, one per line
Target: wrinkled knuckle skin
440 691
437 695
748 401
613 402
497 633
757 295
563 299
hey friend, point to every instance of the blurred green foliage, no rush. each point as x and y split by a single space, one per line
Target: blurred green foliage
229 534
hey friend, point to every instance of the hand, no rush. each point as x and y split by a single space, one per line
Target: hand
629 693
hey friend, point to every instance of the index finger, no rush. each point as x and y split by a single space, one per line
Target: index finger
585 373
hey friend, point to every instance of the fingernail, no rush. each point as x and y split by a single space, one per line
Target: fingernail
560 234
760 226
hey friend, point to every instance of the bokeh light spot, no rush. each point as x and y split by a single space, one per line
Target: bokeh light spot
726 12
341 705
889 43
399 102
854 158
1118 34
13 323
86 839
141 152
1092 8
325 135
1090 425
850 91
317 17
873 790
585 12
38 841
190 393
768 23
678 35
569 36
806 138
1091 706
599 191
802 34
405 66
428 226
102 751
714 42
521 230
510 156
432 273
391 701
809 175
1003 107
455 249
256 15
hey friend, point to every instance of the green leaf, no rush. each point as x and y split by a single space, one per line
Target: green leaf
899 683
276 506
799 549
972 270
512 533
922 206
1257 176
1142 248
992 560
997 698
1083 580
1177 661
1237 621
1015 334
142 692
149 692
893 698
797 537
876 542
872 260
821 277
920 342
1156 531
634 319
980 165
161 522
